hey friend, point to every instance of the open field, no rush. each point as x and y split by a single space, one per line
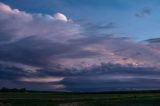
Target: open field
78 99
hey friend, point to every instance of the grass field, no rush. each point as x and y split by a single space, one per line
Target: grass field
78 99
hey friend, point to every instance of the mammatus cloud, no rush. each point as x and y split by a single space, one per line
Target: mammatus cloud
60 54
146 11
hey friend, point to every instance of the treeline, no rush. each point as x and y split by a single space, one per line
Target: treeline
4 89
13 90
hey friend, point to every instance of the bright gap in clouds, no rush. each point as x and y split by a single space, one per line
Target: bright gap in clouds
42 80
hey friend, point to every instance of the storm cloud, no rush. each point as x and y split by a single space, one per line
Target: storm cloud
60 54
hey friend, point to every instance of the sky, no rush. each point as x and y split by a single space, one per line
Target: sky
85 45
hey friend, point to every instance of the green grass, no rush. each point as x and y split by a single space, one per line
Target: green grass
77 99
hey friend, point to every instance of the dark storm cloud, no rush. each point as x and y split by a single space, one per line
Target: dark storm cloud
112 77
45 40
32 51
9 72
154 40
59 54
97 78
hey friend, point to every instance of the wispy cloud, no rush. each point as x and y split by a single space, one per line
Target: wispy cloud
146 11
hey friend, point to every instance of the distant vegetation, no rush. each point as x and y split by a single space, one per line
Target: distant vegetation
4 89
13 90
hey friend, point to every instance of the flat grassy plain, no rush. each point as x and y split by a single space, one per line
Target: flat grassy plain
78 99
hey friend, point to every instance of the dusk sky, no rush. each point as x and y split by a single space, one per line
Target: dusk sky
80 45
